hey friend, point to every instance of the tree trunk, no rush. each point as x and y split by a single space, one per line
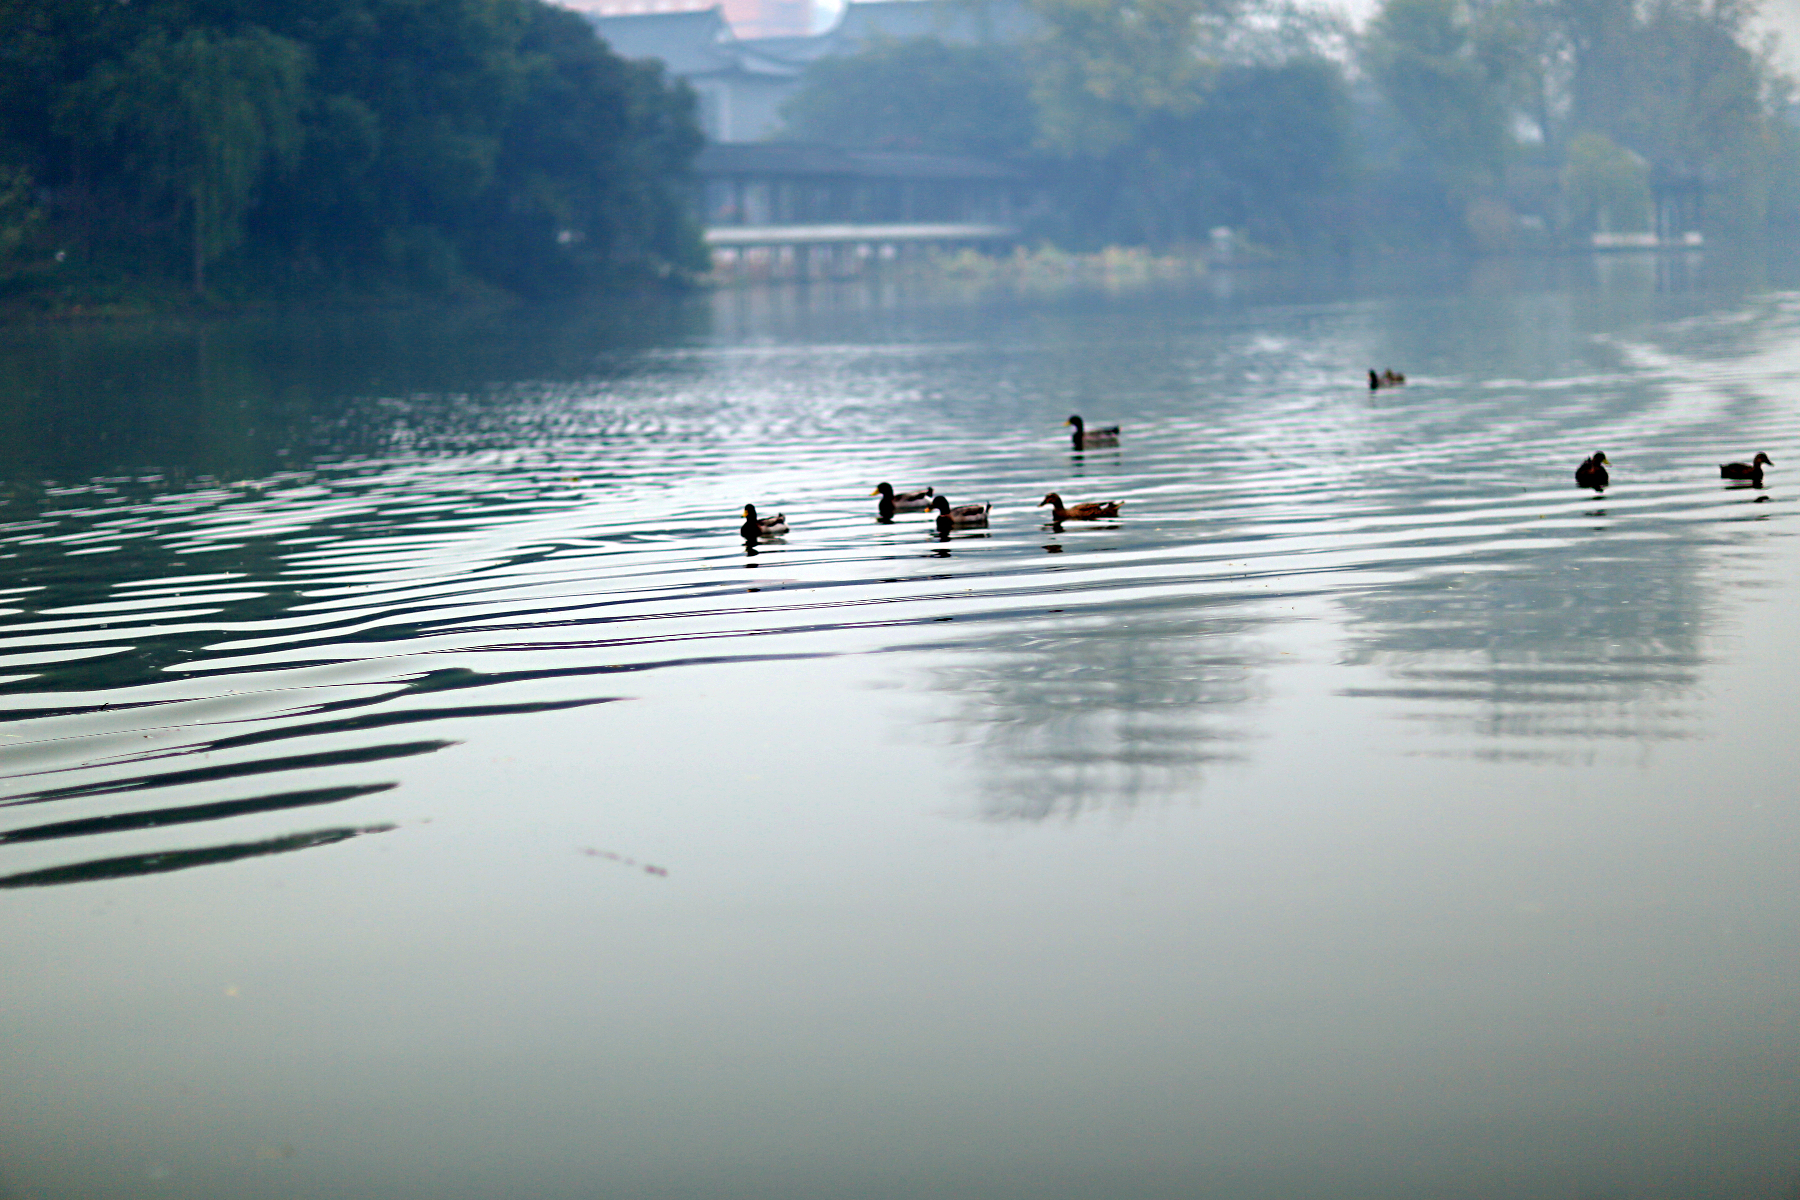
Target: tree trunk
199 245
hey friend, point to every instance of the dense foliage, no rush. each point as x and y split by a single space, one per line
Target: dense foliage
919 95
1136 133
254 146
1491 124
1582 115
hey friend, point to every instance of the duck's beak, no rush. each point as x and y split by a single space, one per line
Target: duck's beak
876 492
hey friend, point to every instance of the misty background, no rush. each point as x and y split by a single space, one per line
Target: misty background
239 149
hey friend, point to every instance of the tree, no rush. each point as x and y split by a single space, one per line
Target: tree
1696 103
1423 56
1278 140
586 184
503 139
195 122
1117 88
20 215
1170 117
1606 188
1105 71
1673 82
1525 46
344 143
918 94
1143 123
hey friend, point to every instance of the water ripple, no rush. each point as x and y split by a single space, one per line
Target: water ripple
167 648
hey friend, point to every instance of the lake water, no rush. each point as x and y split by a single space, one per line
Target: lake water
414 787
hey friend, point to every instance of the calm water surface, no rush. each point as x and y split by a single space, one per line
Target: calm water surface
413 787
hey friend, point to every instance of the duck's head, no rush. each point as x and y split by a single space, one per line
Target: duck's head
749 512
883 489
1052 499
1762 458
1075 421
941 504
1601 459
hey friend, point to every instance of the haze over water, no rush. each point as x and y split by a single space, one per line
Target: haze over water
412 786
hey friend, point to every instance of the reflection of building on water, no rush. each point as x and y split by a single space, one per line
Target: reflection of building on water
1574 648
1101 715
1678 205
1650 273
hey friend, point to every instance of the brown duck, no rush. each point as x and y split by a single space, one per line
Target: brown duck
1079 512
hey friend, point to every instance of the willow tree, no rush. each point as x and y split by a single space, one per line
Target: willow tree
19 213
194 124
919 94
1605 187
1425 57
1167 118
1114 85
1106 70
1682 86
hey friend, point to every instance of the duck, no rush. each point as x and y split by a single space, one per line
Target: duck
1088 439
1751 470
761 527
1388 378
1592 472
893 502
1079 512
962 517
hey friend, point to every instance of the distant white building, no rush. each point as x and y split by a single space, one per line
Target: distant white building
740 90
747 18
743 80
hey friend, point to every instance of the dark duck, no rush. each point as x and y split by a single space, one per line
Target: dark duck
967 516
1389 378
1751 470
1592 472
1089 439
761 527
893 502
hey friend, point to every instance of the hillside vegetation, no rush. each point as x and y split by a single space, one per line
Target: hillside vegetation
232 149
1485 124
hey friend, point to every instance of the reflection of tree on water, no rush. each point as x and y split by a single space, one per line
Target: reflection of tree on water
1108 711
126 866
247 396
1587 642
